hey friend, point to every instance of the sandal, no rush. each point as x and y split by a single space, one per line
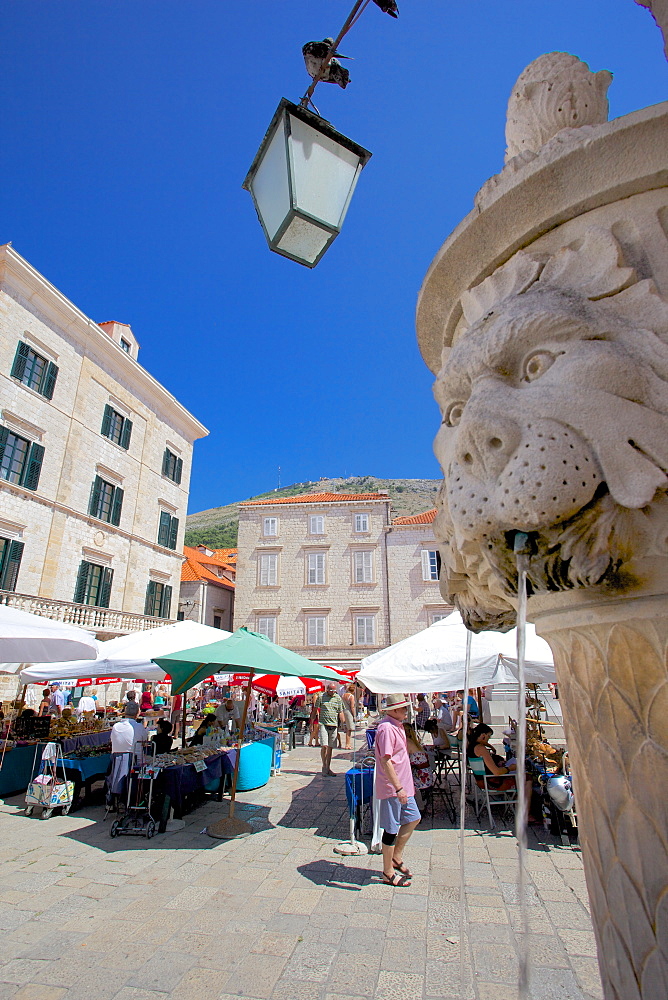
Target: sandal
396 881
401 867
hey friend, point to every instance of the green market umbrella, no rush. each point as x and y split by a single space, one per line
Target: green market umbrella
255 653
241 649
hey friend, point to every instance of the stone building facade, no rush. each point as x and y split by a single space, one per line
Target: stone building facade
331 576
95 460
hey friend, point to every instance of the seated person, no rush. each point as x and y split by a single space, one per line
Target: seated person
207 727
438 735
27 713
163 741
458 711
500 774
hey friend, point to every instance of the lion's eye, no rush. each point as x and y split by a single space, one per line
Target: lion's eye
537 365
453 414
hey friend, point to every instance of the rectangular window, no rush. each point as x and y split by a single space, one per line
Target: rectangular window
10 561
172 466
106 501
217 621
361 522
365 630
125 344
168 530
316 630
316 524
438 616
316 567
270 527
158 600
363 567
31 369
266 625
93 585
20 460
429 564
268 569
116 427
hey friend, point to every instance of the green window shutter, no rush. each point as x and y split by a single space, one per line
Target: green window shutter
116 507
20 358
165 462
150 599
82 583
166 602
32 467
10 570
4 433
50 380
106 421
94 503
104 594
163 529
173 532
126 434
179 470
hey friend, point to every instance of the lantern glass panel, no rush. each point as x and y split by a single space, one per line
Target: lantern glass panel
270 185
304 239
324 173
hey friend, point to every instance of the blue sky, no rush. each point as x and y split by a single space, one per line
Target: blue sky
127 128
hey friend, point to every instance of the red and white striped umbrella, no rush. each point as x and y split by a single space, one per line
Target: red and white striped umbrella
281 687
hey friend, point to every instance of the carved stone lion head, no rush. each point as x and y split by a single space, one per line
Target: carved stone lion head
555 423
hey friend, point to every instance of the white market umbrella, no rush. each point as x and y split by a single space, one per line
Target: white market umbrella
25 638
433 660
129 656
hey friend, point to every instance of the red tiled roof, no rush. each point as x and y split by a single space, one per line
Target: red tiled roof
317 498
196 565
425 518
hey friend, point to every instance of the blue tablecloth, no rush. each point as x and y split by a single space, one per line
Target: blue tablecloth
85 740
17 769
359 787
88 767
177 782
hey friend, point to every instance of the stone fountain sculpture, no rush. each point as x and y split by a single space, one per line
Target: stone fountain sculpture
545 319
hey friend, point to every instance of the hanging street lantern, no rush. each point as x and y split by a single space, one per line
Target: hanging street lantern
301 181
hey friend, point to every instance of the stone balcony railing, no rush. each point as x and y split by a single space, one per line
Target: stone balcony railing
99 620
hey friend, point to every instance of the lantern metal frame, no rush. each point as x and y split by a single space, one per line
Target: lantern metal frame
284 111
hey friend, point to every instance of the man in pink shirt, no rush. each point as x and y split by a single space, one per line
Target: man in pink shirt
398 813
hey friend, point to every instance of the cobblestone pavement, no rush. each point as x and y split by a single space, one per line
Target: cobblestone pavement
277 915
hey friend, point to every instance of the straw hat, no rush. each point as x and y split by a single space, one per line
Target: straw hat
395 701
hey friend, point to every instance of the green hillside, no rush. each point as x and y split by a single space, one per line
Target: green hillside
217 527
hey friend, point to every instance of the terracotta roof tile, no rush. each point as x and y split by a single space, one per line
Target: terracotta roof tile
425 518
196 566
316 498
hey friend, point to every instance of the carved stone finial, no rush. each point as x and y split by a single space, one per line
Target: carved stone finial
554 92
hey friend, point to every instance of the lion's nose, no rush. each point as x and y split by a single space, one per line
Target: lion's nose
484 446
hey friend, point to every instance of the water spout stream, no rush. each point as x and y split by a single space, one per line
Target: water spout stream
521 549
463 937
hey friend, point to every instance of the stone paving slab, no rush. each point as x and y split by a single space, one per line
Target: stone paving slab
278 915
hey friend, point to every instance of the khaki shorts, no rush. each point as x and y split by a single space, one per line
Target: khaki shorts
327 735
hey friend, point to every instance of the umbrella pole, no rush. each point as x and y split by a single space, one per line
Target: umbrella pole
229 827
184 703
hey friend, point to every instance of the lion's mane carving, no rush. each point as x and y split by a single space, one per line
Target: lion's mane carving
555 423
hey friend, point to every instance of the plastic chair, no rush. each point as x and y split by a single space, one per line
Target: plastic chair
486 796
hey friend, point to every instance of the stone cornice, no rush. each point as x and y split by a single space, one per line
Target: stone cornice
18 275
576 171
